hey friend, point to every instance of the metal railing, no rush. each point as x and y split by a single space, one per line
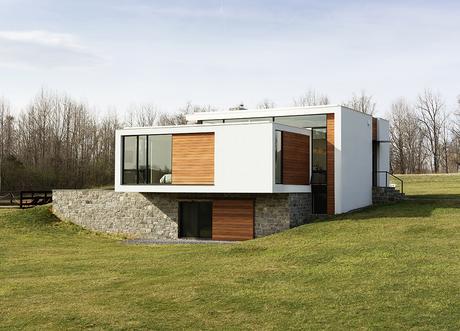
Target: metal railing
392 176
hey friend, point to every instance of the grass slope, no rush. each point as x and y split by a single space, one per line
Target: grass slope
444 186
391 267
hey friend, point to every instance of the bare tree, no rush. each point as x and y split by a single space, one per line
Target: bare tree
455 144
408 152
399 112
362 102
432 116
179 118
266 104
142 115
445 142
311 98
5 133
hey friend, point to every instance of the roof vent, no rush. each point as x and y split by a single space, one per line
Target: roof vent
239 107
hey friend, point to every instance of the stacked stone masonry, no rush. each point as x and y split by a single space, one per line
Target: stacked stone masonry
386 194
155 215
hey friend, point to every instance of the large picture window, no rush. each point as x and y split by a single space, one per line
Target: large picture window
278 158
146 159
130 160
303 121
159 162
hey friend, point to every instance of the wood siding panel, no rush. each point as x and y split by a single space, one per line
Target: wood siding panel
193 158
233 220
296 159
330 154
374 129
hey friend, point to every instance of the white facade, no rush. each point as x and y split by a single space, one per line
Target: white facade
353 166
244 159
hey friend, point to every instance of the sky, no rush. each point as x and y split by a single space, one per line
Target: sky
113 54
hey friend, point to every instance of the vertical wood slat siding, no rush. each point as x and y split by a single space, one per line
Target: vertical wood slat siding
330 152
193 158
232 219
374 128
296 159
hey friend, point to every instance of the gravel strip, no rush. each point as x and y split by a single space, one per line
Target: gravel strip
174 242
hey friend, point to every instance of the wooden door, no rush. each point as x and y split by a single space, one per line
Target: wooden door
233 219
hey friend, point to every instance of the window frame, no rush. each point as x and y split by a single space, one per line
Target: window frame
147 177
281 157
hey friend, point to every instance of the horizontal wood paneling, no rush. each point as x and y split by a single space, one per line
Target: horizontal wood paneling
233 220
193 158
330 155
296 158
374 128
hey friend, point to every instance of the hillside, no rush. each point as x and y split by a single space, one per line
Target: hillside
393 267
439 186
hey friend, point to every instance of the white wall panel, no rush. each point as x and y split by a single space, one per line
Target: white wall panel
354 163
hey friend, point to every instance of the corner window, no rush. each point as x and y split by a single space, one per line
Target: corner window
129 160
146 159
278 158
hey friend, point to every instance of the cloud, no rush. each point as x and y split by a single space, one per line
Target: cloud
39 48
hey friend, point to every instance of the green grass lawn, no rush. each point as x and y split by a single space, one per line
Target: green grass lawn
390 267
443 186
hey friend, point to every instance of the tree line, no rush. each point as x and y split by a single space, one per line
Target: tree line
57 141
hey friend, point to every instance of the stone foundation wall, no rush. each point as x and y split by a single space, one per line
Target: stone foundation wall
281 211
381 195
300 208
155 215
152 216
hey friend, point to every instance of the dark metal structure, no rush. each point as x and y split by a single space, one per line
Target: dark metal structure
34 198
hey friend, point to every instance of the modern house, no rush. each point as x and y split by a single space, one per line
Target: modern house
241 174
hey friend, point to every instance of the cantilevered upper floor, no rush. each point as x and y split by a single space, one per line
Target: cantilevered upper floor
251 157
332 151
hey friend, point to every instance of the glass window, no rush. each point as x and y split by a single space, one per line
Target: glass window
254 119
142 160
211 121
130 160
303 121
159 159
278 158
195 219
319 150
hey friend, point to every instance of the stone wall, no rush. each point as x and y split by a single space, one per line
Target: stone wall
381 195
152 216
155 215
280 211
300 208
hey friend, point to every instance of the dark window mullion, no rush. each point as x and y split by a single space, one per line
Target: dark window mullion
137 160
282 157
147 175
122 160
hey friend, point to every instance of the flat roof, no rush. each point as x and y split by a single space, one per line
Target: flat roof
272 112
171 129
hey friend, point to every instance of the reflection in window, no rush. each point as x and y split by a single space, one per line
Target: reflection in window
245 120
319 149
303 121
130 160
142 160
278 158
159 161
147 159
212 121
